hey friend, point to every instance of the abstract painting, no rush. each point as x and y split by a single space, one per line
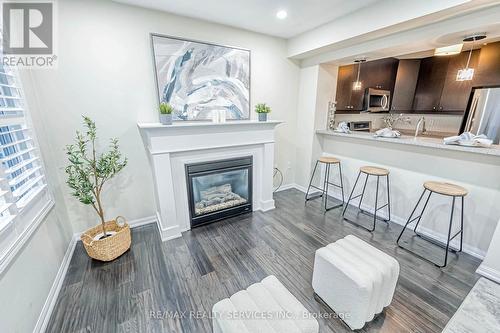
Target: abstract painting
197 78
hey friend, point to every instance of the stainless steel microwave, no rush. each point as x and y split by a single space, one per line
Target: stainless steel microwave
377 100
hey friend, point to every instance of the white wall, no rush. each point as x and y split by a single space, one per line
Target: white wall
105 71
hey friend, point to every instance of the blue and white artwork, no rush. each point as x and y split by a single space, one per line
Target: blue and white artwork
198 78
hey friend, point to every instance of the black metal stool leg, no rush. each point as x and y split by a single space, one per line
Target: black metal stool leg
376 205
449 235
310 181
325 186
342 184
422 213
411 215
388 200
350 196
462 225
363 193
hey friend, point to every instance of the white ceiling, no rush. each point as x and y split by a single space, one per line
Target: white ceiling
259 15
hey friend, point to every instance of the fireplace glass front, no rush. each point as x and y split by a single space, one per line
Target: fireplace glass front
219 189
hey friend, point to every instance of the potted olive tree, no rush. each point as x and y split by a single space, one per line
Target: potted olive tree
87 173
262 110
166 113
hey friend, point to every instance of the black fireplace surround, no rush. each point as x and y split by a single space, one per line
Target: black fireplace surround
219 189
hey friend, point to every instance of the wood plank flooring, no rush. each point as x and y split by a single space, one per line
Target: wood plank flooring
171 286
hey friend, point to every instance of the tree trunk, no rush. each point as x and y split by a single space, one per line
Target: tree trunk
101 213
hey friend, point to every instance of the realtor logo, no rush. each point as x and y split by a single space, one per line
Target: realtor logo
27 28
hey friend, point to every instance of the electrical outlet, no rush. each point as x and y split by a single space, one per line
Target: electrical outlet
288 165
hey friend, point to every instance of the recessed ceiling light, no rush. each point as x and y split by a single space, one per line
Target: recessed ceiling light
281 14
448 50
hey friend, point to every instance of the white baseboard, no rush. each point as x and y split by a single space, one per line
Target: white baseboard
50 302
473 251
489 273
142 221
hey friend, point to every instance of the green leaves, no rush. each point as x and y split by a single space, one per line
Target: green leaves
87 171
166 108
262 108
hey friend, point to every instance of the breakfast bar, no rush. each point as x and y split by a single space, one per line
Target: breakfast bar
414 161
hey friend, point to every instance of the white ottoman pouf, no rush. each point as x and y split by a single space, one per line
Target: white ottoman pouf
267 307
355 279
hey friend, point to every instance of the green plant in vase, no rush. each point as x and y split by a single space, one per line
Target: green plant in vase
262 110
166 113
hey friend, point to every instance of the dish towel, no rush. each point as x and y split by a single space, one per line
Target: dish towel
387 133
343 128
467 138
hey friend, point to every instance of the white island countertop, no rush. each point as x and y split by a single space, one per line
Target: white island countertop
422 141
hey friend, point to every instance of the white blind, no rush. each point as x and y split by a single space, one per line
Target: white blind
21 171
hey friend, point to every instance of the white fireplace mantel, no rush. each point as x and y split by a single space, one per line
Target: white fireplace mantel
171 147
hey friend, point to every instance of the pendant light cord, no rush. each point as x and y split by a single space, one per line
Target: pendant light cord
470 54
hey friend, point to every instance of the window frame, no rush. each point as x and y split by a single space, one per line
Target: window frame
16 232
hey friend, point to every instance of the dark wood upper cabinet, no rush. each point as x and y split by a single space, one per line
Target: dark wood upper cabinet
431 79
421 85
344 87
406 83
487 72
380 74
455 95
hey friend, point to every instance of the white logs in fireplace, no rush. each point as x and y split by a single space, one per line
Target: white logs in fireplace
176 149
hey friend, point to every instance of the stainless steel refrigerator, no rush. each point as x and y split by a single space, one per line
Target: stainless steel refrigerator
483 116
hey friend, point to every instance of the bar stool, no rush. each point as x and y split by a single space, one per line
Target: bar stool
446 189
328 161
370 171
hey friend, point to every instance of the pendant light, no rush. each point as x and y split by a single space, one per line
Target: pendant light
466 74
357 85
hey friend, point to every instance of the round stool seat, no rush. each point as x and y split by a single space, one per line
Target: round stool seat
329 160
446 189
374 171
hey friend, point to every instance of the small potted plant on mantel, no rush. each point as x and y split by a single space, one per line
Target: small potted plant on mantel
87 173
262 110
166 113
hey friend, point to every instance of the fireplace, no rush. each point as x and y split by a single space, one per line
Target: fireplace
219 189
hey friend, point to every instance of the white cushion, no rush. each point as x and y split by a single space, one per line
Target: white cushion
266 306
355 279
302 317
342 286
386 260
367 269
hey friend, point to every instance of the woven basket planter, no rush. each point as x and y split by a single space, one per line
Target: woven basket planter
108 248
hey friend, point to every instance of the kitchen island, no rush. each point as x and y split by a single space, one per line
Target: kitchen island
411 162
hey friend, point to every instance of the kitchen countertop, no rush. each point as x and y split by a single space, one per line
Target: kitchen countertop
422 141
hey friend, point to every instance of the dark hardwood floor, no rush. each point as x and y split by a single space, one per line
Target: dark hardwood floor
155 286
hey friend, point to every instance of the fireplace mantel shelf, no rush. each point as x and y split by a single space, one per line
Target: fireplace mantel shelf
198 124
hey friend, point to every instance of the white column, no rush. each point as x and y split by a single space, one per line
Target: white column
490 267
165 198
266 196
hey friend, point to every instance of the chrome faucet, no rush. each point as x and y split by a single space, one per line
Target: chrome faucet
420 121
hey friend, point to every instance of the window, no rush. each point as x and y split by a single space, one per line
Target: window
22 180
